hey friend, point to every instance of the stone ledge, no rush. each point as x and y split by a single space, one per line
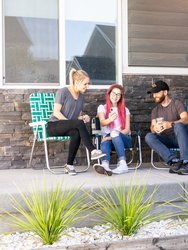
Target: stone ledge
166 243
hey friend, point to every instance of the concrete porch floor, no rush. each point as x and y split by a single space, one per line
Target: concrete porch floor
13 180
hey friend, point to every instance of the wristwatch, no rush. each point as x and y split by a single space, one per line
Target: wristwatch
172 124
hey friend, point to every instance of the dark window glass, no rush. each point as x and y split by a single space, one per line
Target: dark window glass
91 39
31 41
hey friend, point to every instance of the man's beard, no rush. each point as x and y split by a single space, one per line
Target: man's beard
159 99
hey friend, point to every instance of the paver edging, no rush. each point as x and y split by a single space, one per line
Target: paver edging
167 243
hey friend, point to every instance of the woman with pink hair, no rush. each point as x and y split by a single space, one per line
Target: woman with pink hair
115 125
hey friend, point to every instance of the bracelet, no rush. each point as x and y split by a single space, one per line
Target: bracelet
172 124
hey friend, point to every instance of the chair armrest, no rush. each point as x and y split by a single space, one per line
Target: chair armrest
96 132
36 124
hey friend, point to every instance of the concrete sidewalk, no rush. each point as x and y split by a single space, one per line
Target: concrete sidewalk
23 179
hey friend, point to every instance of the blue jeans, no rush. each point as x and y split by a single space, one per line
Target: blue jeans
161 143
119 144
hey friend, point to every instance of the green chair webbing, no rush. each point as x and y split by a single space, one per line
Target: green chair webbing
41 105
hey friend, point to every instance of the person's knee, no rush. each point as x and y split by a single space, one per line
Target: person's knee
180 129
116 139
79 123
179 126
75 133
149 137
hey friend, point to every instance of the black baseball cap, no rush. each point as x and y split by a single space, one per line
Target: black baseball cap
158 86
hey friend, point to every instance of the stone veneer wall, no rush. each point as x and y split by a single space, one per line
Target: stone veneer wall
141 104
16 136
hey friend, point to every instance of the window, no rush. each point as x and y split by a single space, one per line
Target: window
43 39
90 31
155 36
31 42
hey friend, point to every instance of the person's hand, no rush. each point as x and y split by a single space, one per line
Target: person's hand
167 125
107 138
159 127
85 118
112 115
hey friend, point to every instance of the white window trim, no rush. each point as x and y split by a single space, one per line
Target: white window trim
1 44
119 43
62 66
142 70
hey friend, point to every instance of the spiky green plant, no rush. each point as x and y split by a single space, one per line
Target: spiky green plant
182 209
48 213
126 209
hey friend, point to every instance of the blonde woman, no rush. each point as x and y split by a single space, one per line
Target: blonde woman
68 119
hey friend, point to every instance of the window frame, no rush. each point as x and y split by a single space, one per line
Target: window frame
62 64
126 69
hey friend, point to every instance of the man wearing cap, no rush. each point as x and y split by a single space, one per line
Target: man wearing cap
168 128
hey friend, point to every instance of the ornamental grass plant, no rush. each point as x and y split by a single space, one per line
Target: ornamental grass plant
47 213
124 208
182 209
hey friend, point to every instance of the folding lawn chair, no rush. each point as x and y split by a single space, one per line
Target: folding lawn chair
135 149
41 105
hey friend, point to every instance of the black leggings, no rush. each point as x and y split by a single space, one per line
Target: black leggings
77 130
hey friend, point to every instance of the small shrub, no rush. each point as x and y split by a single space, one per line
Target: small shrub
182 208
125 208
49 212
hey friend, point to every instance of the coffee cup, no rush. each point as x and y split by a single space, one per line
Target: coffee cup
159 120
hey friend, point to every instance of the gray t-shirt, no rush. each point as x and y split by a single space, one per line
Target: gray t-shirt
170 113
71 107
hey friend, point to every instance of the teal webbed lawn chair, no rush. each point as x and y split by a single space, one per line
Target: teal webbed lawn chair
41 105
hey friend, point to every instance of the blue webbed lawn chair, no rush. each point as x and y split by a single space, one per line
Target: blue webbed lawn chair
41 105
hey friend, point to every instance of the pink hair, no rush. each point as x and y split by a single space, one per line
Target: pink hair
120 105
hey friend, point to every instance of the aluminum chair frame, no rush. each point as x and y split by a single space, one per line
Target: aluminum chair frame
165 164
41 105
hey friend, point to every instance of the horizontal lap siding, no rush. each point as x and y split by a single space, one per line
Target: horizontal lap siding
159 5
152 45
161 59
158 33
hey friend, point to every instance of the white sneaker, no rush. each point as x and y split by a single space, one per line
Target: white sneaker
96 154
69 169
121 167
105 165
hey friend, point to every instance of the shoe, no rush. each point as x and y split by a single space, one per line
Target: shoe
105 165
121 167
96 154
175 167
101 170
69 169
184 169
